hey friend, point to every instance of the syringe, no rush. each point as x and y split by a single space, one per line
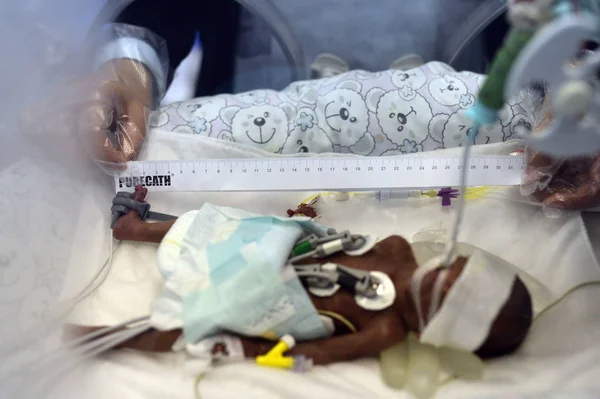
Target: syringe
386 195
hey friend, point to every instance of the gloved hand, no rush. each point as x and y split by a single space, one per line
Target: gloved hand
572 184
104 115
564 184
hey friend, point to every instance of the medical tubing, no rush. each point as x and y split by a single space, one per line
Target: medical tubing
280 29
480 19
437 293
83 344
451 246
97 347
107 266
118 338
104 331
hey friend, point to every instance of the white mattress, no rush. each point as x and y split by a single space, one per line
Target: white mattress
561 354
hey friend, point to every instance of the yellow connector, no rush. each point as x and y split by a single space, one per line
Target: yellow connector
280 362
275 356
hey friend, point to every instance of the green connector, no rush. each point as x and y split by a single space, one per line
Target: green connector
302 248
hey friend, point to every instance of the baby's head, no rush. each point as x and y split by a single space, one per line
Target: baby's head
481 306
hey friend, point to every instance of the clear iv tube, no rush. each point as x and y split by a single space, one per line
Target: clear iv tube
451 246
481 18
280 29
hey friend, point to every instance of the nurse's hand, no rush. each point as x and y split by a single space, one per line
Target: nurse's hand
115 117
572 184
103 115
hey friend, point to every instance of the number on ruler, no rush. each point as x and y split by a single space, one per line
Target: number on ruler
447 167
307 169
485 167
409 168
421 167
370 168
473 167
434 167
498 167
396 168
282 170
345 169
332 169
383 168
358 168
244 170
268 170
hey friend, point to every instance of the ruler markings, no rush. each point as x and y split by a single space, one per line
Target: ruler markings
314 174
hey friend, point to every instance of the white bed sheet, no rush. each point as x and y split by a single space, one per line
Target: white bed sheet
562 352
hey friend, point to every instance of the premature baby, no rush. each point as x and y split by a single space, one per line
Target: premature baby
354 333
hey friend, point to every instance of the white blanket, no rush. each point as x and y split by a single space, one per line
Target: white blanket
561 352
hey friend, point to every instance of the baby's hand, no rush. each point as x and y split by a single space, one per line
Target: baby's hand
130 227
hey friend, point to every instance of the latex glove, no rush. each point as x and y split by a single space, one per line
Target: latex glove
103 116
572 184
116 116
563 184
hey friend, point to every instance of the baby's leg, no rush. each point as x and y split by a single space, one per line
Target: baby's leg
132 228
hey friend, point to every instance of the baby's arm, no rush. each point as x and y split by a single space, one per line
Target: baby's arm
380 333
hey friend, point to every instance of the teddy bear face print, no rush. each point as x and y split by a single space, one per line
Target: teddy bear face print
414 78
262 126
459 127
312 140
200 113
448 90
402 120
343 115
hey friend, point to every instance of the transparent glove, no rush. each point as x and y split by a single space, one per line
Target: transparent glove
102 116
562 184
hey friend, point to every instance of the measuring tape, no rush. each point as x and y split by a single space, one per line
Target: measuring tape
319 174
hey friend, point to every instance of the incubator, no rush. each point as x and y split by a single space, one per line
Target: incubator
544 39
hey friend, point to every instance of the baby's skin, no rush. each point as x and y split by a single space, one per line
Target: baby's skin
375 330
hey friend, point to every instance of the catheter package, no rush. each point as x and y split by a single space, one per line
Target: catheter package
102 112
